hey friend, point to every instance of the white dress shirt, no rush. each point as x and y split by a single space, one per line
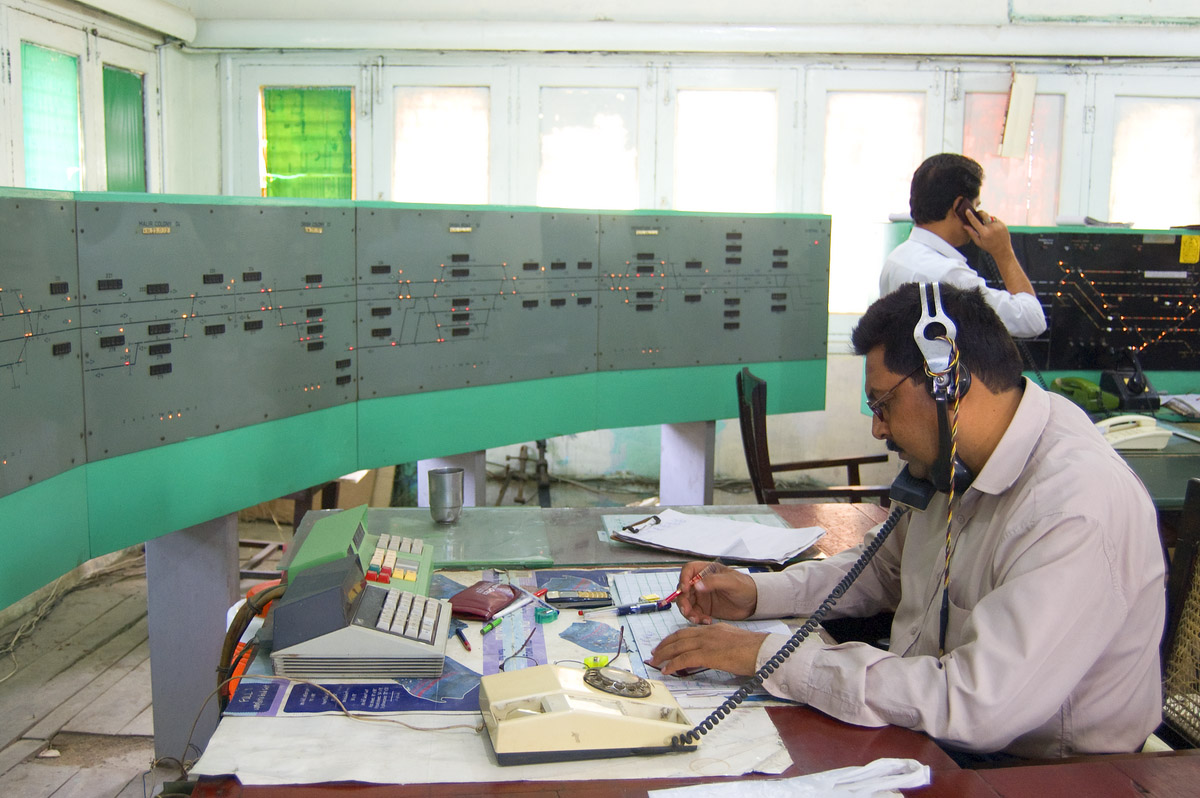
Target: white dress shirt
1057 603
927 258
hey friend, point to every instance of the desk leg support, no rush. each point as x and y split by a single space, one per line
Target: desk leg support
686 463
474 466
191 581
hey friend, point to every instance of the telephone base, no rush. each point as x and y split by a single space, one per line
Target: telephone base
549 713
573 755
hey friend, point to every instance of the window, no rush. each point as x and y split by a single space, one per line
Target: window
588 148
50 114
124 130
868 168
441 145
726 150
1155 162
307 142
1019 191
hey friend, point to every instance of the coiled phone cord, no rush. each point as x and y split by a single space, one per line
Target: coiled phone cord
693 735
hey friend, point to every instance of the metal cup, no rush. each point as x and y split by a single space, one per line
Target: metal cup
445 494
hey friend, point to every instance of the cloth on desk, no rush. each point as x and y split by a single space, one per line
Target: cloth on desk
883 777
308 750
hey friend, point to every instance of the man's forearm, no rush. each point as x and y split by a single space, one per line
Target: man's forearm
1015 279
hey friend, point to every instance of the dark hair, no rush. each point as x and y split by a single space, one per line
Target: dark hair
984 344
938 181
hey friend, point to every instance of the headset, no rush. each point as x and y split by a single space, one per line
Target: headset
947 380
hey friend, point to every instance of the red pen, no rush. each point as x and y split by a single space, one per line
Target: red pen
462 638
708 569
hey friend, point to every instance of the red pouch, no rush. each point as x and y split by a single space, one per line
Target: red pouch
483 600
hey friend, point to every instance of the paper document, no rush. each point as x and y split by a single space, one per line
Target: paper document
708 537
648 630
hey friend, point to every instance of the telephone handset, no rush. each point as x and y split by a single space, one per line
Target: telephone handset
961 206
1133 432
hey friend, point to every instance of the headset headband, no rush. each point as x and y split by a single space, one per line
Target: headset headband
937 346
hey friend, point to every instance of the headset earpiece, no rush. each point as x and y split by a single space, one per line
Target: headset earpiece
954 384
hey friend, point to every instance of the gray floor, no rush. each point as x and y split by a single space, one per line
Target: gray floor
75 697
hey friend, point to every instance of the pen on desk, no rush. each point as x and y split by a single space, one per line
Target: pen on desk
630 609
524 601
462 638
490 625
708 569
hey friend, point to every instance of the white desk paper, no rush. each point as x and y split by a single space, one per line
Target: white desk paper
710 537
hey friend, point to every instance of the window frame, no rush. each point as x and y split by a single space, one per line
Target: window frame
94 46
496 79
822 80
1148 84
783 80
139 61
527 128
243 82
60 37
1073 174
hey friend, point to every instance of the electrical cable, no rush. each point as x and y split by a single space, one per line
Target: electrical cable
237 627
693 735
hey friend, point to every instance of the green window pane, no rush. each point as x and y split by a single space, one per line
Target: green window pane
308 146
50 114
124 130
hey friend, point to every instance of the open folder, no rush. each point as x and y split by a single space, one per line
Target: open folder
709 537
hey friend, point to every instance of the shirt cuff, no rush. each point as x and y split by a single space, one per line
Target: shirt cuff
791 679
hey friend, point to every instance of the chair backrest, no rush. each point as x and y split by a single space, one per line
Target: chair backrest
752 414
1181 643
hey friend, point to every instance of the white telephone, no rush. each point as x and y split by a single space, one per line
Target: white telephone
1133 432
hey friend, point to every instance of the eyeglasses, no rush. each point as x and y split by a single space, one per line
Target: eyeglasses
876 405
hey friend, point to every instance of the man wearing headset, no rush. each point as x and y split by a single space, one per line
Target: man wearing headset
1050 642
944 202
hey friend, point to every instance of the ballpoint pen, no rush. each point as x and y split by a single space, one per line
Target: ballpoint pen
708 569
630 609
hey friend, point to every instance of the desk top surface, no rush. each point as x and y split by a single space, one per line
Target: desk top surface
563 537
815 741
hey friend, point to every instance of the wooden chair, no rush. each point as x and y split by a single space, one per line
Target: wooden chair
752 413
1181 641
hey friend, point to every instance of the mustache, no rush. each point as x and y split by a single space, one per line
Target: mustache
891 447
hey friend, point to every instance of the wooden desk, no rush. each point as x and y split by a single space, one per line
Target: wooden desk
815 741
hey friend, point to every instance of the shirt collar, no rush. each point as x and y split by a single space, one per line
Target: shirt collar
935 242
1010 456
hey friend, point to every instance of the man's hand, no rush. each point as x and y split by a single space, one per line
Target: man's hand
719 646
723 593
993 237
988 232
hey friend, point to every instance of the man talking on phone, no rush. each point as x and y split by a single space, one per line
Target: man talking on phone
1028 608
944 202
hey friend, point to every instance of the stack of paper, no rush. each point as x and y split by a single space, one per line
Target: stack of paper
709 537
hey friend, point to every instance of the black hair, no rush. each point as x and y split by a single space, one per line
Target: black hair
938 181
984 344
